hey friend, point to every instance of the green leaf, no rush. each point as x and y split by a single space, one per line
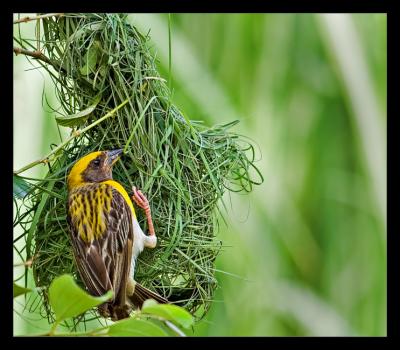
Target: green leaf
80 117
20 187
169 312
90 60
103 71
133 327
18 290
68 300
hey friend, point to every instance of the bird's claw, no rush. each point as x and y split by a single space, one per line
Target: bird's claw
140 199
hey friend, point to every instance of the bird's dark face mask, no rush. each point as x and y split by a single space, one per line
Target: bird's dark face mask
100 168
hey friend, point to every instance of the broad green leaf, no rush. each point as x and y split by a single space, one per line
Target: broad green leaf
133 327
90 60
173 313
20 187
18 290
80 117
68 300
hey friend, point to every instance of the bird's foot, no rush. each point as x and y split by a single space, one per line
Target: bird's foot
140 199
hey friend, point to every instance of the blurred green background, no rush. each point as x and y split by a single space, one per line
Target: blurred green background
305 253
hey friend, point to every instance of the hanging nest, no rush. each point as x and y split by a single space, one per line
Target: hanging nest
97 62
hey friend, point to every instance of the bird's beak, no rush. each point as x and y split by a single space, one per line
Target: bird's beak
113 156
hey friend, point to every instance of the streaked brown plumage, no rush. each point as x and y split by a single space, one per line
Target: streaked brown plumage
105 234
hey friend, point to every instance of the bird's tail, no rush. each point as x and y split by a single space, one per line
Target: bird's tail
138 294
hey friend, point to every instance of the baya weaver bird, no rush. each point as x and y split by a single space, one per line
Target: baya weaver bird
105 234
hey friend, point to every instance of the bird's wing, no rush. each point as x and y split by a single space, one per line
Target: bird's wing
103 262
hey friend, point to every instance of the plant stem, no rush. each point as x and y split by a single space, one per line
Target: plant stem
27 19
169 53
75 134
27 263
35 54
137 124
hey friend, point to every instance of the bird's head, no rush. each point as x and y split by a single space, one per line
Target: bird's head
94 167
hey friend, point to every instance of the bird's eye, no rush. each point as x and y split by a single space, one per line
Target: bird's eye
96 162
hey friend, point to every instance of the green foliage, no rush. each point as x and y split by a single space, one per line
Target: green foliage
20 187
174 313
133 327
90 60
306 251
18 290
78 118
68 300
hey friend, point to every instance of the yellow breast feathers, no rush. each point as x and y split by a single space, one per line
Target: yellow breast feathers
124 194
89 206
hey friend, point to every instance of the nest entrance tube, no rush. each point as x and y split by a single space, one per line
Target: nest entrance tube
98 62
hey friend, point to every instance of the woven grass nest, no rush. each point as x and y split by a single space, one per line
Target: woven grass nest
98 61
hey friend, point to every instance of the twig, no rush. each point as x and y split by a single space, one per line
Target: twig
27 19
27 263
39 56
46 159
35 54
